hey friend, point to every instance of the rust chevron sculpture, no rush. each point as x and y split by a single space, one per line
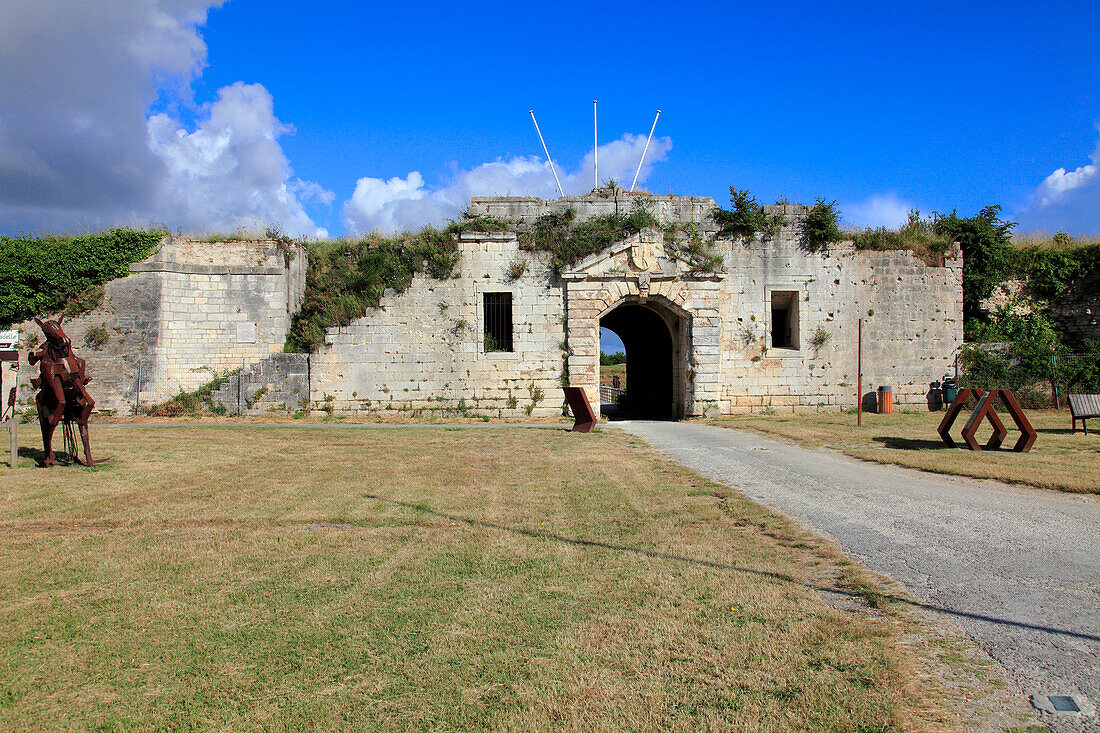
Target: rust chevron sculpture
583 417
985 411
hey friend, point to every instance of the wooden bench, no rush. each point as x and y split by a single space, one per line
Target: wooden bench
1082 407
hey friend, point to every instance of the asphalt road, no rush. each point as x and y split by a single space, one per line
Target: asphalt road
1017 569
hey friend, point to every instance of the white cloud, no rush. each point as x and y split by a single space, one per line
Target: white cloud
231 170
408 203
1066 200
880 210
77 79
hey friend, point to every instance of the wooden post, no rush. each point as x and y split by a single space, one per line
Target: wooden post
859 375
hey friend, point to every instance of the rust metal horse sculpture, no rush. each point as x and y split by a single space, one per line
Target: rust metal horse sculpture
61 393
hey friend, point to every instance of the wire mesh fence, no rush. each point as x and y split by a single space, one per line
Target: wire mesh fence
1037 379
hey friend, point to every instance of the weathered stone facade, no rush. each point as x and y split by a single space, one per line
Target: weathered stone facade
774 328
190 312
425 348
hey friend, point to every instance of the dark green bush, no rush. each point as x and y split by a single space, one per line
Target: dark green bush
745 218
41 274
820 226
987 253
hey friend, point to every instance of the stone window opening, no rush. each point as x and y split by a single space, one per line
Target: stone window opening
784 326
498 322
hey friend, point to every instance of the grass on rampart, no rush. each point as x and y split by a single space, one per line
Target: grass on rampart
917 235
458 579
1058 460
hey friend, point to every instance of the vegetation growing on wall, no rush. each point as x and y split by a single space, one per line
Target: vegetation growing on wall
569 242
1036 355
1050 267
918 235
820 226
198 402
746 218
42 274
346 276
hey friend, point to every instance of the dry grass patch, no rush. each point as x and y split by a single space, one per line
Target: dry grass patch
1058 460
444 579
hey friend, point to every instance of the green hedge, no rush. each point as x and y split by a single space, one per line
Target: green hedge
40 274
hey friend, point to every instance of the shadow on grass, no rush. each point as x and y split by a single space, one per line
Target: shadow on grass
890 441
782 577
36 454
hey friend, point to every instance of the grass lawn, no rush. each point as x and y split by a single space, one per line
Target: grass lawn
608 374
234 578
1058 460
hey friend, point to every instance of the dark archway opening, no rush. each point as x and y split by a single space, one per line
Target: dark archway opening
648 343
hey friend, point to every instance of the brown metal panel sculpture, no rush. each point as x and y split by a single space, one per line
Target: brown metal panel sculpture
952 414
985 410
583 417
61 389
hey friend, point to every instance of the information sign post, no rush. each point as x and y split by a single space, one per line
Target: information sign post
9 352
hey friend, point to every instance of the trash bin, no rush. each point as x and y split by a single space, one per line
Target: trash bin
885 400
950 390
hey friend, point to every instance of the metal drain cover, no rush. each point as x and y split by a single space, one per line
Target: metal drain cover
1063 705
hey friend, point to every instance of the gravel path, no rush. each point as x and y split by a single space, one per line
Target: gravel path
1018 569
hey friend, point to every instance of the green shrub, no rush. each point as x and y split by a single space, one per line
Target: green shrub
987 254
820 226
745 218
97 337
197 402
41 274
612 359
1049 268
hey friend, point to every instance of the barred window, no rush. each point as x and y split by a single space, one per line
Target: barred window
498 322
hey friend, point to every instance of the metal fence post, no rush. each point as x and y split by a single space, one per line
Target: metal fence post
1054 380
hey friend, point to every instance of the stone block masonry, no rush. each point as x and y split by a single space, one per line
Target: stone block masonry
277 383
772 329
424 351
190 312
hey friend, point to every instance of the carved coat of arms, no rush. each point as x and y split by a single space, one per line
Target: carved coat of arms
640 257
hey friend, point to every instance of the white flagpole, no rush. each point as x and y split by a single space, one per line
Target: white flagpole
595 147
644 150
548 160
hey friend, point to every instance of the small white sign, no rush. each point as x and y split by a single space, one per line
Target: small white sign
246 332
9 339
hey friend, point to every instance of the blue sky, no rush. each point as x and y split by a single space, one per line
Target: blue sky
315 117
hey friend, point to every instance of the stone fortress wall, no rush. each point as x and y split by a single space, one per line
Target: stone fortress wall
195 310
424 348
192 311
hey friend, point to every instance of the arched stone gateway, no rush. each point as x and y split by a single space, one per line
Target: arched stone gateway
667 316
657 339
